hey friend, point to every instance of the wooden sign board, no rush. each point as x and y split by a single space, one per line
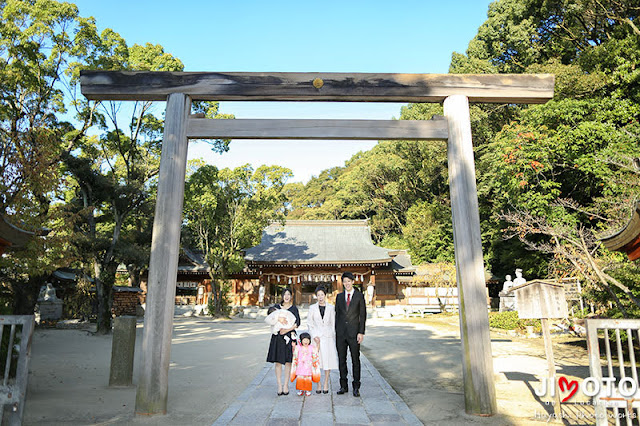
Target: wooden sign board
539 299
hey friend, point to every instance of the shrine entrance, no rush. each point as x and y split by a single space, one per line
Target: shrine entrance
178 89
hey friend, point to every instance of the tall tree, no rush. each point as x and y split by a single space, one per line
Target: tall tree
225 211
113 174
556 174
38 41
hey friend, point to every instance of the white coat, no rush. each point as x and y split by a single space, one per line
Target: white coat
325 329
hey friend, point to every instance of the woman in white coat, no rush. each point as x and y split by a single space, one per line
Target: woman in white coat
321 320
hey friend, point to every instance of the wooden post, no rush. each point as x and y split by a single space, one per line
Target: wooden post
153 383
477 364
551 366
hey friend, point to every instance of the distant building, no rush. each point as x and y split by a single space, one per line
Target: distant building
302 254
193 283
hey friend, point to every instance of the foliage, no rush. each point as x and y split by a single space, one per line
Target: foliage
90 180
111 177
519 33
37 41
224 303
550 178
80 302
559 173
381 185
510 320
225 211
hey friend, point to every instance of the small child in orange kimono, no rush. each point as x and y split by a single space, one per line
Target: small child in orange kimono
305 366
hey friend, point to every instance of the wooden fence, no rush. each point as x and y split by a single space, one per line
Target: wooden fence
620 368
16 332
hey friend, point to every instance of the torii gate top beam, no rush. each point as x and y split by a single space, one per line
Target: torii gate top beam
335 87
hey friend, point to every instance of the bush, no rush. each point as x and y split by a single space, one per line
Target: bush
511 321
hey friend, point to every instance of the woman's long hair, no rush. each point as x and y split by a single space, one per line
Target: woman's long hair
286 289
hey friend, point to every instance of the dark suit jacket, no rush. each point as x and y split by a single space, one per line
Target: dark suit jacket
351 321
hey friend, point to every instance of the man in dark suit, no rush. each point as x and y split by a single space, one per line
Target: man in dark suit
351 315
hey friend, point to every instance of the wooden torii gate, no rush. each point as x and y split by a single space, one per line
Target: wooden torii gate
178 89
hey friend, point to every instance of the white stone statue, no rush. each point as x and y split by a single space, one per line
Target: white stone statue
507 284
518 280
47 294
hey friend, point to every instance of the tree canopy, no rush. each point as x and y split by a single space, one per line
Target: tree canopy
225 212
550 177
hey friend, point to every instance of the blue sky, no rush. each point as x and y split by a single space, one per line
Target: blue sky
297 36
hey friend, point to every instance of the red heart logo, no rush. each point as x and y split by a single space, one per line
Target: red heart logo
569 385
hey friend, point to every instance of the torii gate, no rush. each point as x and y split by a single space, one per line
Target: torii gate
180 88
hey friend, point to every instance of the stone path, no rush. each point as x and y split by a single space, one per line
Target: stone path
378 403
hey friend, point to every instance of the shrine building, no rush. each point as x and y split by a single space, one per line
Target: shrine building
302 254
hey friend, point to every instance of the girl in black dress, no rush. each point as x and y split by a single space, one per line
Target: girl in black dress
280 349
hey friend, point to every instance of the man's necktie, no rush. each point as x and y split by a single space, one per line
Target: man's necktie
348 299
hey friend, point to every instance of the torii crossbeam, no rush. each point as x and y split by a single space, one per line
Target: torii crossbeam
454 90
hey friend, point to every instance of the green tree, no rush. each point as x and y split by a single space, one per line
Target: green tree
113 175
389 185
552 176
225 211
38 39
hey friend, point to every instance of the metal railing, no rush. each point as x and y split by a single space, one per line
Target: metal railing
616 402
15 351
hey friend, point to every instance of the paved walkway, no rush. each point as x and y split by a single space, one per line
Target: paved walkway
378 403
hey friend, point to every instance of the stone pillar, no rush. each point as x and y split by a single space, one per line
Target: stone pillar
477 363
153 383
122 351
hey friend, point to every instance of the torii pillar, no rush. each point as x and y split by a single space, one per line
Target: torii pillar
151 396
477 367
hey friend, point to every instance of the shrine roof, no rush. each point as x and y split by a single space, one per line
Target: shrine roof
626 239
401 262
12 235
317 242
192 261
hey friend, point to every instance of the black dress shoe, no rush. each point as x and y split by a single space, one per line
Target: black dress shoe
343 391
356 392
318 391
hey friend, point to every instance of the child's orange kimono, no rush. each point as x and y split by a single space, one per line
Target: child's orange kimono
305 367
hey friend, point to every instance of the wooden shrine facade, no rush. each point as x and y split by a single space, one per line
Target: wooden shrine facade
303 254
193 283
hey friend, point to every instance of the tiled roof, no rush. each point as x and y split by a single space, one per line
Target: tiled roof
192 261
317 242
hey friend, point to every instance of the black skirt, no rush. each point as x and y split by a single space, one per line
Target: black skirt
280 351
